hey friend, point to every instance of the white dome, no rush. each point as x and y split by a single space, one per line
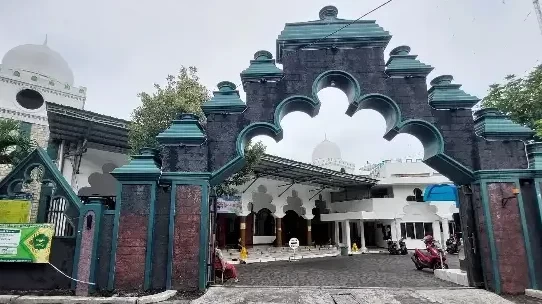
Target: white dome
39 59
326 149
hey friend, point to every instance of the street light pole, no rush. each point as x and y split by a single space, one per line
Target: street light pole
536 5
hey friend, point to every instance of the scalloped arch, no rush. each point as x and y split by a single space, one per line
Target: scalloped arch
339 79
426 133
430 137
384 105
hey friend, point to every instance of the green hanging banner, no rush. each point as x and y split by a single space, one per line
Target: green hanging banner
28 243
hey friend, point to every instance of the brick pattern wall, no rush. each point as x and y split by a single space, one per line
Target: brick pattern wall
509 239
40 134
186 237
132 237
483 240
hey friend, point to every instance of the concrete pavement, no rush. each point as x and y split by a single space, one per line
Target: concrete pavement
323 295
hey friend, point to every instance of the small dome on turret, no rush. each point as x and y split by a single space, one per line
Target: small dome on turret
39 59
325 150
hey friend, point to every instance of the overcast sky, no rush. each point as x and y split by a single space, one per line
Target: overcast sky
119 48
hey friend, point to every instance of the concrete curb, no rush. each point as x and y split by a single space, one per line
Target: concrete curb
533 293
74 300
155 298
4 299
339 287
455 276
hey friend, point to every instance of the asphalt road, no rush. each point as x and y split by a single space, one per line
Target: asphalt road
368 270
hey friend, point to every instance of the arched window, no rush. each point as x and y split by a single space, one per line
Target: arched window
265 223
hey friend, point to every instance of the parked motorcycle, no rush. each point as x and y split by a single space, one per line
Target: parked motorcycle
433 257
394 249
452 245
402 246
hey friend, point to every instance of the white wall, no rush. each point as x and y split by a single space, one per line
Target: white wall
10 85
92 161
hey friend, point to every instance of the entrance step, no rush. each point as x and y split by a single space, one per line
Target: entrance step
280 255
456 276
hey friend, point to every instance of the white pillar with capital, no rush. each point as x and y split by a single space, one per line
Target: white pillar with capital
336 233
445 229
346 234
362 237
436 232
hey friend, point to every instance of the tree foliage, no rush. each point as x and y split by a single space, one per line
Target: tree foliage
520 98
14 146
181 94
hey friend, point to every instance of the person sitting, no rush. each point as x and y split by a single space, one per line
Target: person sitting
220 264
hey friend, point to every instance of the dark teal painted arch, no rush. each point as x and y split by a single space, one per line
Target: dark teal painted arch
428 134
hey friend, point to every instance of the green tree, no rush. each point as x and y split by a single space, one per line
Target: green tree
521 98
181 94
14 146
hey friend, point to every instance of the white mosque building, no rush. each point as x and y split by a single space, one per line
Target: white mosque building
38 89
328 155
319 203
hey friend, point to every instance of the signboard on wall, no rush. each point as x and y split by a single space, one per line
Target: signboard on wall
15 211
28 243
228 204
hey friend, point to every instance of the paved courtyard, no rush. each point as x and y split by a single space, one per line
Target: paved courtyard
312 295
368 270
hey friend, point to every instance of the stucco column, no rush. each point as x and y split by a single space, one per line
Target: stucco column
242 229
347 235
436 232
278 231
309 232
336 233
445 230
362 237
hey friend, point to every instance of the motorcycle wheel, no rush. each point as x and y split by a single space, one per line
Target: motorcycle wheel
417 264
438 266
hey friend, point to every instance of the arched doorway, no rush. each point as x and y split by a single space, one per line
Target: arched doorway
293 226
264 223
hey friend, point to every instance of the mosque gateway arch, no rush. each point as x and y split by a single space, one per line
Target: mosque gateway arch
488 157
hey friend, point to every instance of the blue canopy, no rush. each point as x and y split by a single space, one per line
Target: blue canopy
440 193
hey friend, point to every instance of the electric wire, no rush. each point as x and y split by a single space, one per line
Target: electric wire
333 33
67 276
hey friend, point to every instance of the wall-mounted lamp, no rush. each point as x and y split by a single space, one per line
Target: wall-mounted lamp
504 201
467 190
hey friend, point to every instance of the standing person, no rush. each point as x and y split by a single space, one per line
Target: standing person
220 263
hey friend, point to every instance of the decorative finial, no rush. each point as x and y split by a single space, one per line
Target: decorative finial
400 50
325 136
45 42
329 12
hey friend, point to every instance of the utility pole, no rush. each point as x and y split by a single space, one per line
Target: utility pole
536 4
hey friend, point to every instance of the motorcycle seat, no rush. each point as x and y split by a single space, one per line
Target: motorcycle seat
425 252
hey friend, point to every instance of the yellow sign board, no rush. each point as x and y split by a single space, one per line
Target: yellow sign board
14 211
29 243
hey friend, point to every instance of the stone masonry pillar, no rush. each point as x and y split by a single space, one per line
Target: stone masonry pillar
134 222
184 151
503 209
